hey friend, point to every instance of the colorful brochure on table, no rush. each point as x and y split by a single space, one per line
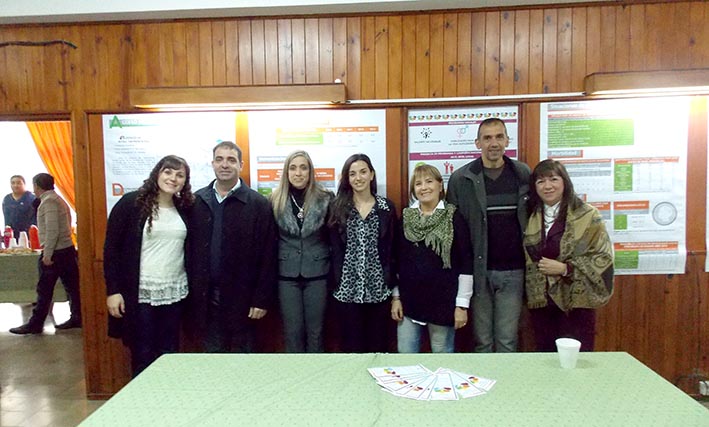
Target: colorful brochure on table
419 383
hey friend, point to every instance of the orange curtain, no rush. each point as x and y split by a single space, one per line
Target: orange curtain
53 142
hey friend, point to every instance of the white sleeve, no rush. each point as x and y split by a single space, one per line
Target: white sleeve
465 290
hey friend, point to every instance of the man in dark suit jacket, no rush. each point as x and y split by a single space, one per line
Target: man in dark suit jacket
234 258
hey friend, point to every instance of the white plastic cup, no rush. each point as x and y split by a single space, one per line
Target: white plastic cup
23 241
568 349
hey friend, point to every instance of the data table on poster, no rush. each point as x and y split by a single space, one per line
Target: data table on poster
629 168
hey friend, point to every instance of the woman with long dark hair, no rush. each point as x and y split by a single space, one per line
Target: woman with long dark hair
144 262
363 228
436 281
569 260
300 206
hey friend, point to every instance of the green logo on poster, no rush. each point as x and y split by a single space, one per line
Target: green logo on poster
115 123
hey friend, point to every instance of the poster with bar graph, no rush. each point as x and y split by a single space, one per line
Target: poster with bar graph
628 157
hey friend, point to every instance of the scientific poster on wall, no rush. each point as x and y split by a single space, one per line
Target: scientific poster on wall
445 137
628 158
329 136
134 143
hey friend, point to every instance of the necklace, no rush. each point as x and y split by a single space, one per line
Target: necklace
300 208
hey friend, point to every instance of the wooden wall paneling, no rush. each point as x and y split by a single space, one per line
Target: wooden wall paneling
74 86
507 53
367 58
90 78
165 58
654 21
298 50
18 84
703 341
244 60
423 62
258 52
699 35
285 52
52 72
206 62
312 51
521 52
549 63
232 54
608 38
593 40
492 53
354 55
151 38
394 61
271 51
578 48
564 43
325 50
35 80
450 54
381 57
219 66
339 51
477 58
680 38
4 72
464 51
697 174
395 121
114 54
638 32
179 54
408 61
536 51
633 315
435 50
622 39
192 40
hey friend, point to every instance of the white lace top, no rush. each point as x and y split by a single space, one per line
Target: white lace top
163 279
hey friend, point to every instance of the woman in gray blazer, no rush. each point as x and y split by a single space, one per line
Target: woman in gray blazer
300 206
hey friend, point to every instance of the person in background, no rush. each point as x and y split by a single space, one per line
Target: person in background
436 281
234 261
300 206
144 262
569 260
491 193
363 230
17 207
58 258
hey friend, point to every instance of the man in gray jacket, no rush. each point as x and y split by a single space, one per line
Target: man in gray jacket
491 193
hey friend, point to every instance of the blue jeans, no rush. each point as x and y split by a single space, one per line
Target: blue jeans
408 337
496 305
303 310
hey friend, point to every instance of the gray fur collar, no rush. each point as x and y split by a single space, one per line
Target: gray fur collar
313 221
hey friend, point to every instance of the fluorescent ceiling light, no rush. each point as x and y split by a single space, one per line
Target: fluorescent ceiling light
670 82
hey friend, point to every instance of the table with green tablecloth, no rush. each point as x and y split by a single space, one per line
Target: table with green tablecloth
18 279
606 389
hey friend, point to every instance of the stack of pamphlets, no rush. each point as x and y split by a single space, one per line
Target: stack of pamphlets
419 383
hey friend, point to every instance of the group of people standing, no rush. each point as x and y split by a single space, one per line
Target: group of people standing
217 258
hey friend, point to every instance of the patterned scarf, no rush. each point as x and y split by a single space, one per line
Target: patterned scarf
436 230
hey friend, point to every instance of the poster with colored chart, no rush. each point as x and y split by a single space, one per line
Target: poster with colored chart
134 143
628 157
445 137
329 137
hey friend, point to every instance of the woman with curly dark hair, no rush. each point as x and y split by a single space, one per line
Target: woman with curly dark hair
144 262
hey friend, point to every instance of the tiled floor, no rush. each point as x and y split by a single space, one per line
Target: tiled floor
41 376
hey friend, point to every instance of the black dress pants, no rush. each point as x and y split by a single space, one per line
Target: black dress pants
64 267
